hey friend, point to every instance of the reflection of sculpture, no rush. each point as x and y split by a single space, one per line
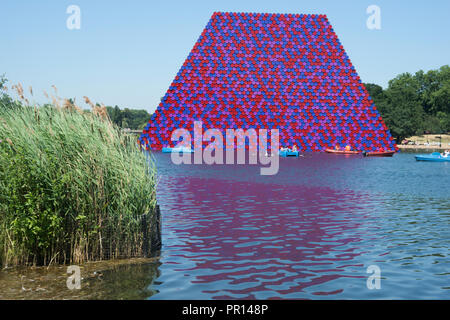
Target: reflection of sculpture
259 238
282 71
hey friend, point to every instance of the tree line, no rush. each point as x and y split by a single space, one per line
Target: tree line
414 104
128 118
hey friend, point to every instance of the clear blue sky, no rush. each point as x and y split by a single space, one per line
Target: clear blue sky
128 52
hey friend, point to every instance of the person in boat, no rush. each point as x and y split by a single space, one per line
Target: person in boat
294 148
347 148
446 153
336 147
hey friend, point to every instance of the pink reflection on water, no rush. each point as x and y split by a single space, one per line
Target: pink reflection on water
245 238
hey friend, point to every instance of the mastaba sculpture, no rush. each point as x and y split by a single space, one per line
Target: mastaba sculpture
271 71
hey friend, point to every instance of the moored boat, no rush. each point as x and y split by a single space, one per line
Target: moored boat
181 149
288 153
342 151
434 157
389 153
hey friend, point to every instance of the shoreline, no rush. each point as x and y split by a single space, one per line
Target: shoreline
98 278
421 148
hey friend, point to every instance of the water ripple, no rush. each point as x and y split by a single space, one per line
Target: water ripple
309 232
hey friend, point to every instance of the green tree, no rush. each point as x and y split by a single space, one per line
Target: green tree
440 99
403 112
444 121
434 90
375 91
413 104
5 99
128 118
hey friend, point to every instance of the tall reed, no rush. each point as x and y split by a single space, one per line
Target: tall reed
72 188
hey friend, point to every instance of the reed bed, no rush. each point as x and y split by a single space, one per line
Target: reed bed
72 188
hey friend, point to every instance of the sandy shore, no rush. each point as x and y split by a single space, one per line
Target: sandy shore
422 148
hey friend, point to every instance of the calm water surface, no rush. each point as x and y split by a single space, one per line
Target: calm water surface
309 232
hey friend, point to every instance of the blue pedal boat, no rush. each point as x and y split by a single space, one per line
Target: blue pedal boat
182 150
434 157
286 153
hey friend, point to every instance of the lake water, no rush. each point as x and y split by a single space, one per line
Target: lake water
309 232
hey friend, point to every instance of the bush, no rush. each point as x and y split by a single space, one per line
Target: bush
72 188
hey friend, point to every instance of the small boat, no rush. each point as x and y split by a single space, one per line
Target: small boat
389 153
181 149
342 151
434 157
288 153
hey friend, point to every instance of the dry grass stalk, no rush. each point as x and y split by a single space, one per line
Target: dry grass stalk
79 110
55 102
68 105
102 112
89 102
19 90
97 110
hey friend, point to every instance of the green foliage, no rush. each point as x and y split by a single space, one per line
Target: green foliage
128 118
444 120
5 99
414 104
375 91
72 188
3 81
406 113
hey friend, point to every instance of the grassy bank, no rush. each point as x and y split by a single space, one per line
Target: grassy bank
72 188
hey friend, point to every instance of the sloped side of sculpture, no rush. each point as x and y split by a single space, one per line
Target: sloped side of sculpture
271 71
